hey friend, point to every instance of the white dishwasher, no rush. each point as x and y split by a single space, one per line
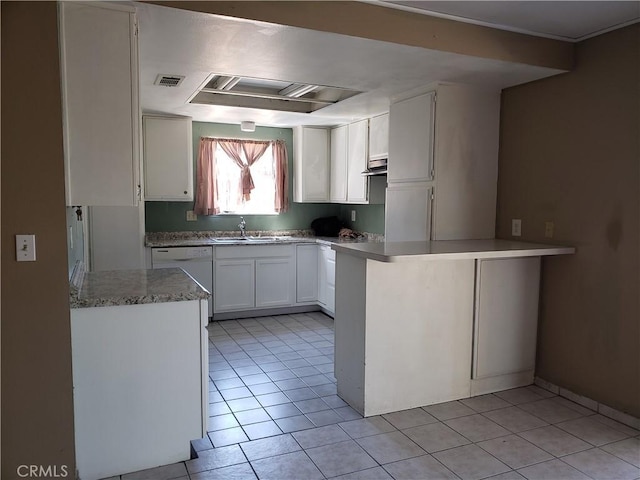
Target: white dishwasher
196 261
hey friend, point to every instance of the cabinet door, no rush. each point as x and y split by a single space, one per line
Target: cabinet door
357 162
234 285
311 164
327 278
379 137
116 238
408 212
306 273
411 131
100 104
506 317
339 152
330 262
168 158
275 284
322 278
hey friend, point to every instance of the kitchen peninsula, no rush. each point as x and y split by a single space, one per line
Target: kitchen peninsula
418 323
139 354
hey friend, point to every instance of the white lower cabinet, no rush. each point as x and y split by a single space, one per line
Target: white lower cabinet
327 278
253 277
234 284
139 372
275 282
505 324
260 277
307 273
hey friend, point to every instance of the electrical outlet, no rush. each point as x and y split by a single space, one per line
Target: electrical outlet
191 216
353 215
26 248
548 229
516 227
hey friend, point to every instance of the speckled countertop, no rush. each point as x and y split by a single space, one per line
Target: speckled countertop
192 239
133 287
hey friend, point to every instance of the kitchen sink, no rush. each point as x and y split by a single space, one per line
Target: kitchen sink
228 239
249 239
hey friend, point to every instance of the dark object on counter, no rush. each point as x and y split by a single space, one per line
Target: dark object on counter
326 226
348 233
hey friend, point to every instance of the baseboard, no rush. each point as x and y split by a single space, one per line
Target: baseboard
481 386
589 403
265 312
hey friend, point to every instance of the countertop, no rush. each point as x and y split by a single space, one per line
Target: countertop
194 239
449 250
133 287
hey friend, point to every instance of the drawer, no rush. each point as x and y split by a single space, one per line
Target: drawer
253 251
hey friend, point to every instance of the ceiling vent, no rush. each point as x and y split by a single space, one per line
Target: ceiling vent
168 80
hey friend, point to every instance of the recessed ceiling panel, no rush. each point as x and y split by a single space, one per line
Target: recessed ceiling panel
249 92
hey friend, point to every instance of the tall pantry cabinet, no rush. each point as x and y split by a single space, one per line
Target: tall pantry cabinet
443 164
101 120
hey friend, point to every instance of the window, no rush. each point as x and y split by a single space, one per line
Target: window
229 175
241 177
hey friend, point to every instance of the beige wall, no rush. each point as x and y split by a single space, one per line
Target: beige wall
570 154
37 408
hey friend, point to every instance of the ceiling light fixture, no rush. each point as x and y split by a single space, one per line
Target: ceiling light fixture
226 83
248 126
297 90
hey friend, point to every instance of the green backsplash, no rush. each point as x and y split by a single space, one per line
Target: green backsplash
369 218
171 216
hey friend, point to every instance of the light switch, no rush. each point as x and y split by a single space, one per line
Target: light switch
26 248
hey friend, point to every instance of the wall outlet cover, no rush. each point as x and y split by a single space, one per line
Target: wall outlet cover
353 215
191 216
516 227
548 229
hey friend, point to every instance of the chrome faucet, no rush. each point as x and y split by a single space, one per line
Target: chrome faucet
243 227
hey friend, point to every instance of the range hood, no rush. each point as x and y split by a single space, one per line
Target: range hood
377 166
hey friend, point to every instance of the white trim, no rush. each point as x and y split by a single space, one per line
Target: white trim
497 26
589 403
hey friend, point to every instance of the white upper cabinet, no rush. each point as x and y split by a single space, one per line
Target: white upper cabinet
348 161
379 137
339 159
466 162
99 69
451 148
411 139
168 158
357 162
311 164
408 212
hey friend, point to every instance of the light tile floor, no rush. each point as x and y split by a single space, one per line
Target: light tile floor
275 414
